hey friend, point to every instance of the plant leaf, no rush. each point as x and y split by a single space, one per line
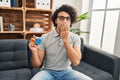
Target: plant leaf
82 17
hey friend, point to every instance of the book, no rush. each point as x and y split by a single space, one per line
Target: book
13 3
1 23
19 3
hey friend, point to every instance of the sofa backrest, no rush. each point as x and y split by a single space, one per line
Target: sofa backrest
13 54
82 48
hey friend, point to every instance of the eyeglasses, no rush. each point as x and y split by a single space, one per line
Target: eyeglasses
62 18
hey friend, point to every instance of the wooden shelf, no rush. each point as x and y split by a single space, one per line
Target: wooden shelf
11 8
15 32
37 20
42 10
24 16
29 34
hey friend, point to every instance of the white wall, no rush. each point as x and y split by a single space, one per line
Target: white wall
117 41
84 25
75 3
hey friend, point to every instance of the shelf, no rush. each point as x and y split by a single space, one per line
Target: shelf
23 17
11 8
29 34
42 10
37 20
15 32
23 32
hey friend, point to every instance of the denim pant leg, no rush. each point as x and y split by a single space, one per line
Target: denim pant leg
43 75
74 75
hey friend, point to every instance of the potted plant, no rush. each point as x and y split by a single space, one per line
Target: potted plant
81 17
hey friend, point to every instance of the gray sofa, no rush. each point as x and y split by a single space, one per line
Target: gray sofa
15 62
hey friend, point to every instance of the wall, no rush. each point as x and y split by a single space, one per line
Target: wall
75 3
84 25
117 41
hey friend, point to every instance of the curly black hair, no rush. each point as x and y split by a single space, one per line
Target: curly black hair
68 9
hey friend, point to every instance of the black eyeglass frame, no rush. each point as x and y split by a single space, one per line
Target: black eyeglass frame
62 18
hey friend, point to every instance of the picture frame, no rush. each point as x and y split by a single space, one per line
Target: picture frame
1 24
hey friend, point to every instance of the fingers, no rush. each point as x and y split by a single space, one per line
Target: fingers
64 27
31 44
32 41
64 31
34 36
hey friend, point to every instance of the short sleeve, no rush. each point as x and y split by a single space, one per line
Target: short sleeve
77 41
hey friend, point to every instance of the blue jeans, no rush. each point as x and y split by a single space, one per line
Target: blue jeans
68 74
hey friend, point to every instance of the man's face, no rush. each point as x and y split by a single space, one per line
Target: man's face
63 18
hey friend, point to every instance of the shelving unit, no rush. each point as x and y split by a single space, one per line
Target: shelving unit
24 17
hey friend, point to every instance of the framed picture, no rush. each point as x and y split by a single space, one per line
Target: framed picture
1 24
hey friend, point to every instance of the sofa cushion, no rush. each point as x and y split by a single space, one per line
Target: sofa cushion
16 74
93 72
35 70
13 54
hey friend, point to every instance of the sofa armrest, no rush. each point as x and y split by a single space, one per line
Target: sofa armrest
102 60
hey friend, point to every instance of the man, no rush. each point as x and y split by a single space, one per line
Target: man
59 49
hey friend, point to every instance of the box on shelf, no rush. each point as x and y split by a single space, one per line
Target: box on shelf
36 29
42 4
5 3
1 3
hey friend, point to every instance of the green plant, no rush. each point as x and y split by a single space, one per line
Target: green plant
81 17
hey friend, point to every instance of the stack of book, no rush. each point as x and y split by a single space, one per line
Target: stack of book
16 3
